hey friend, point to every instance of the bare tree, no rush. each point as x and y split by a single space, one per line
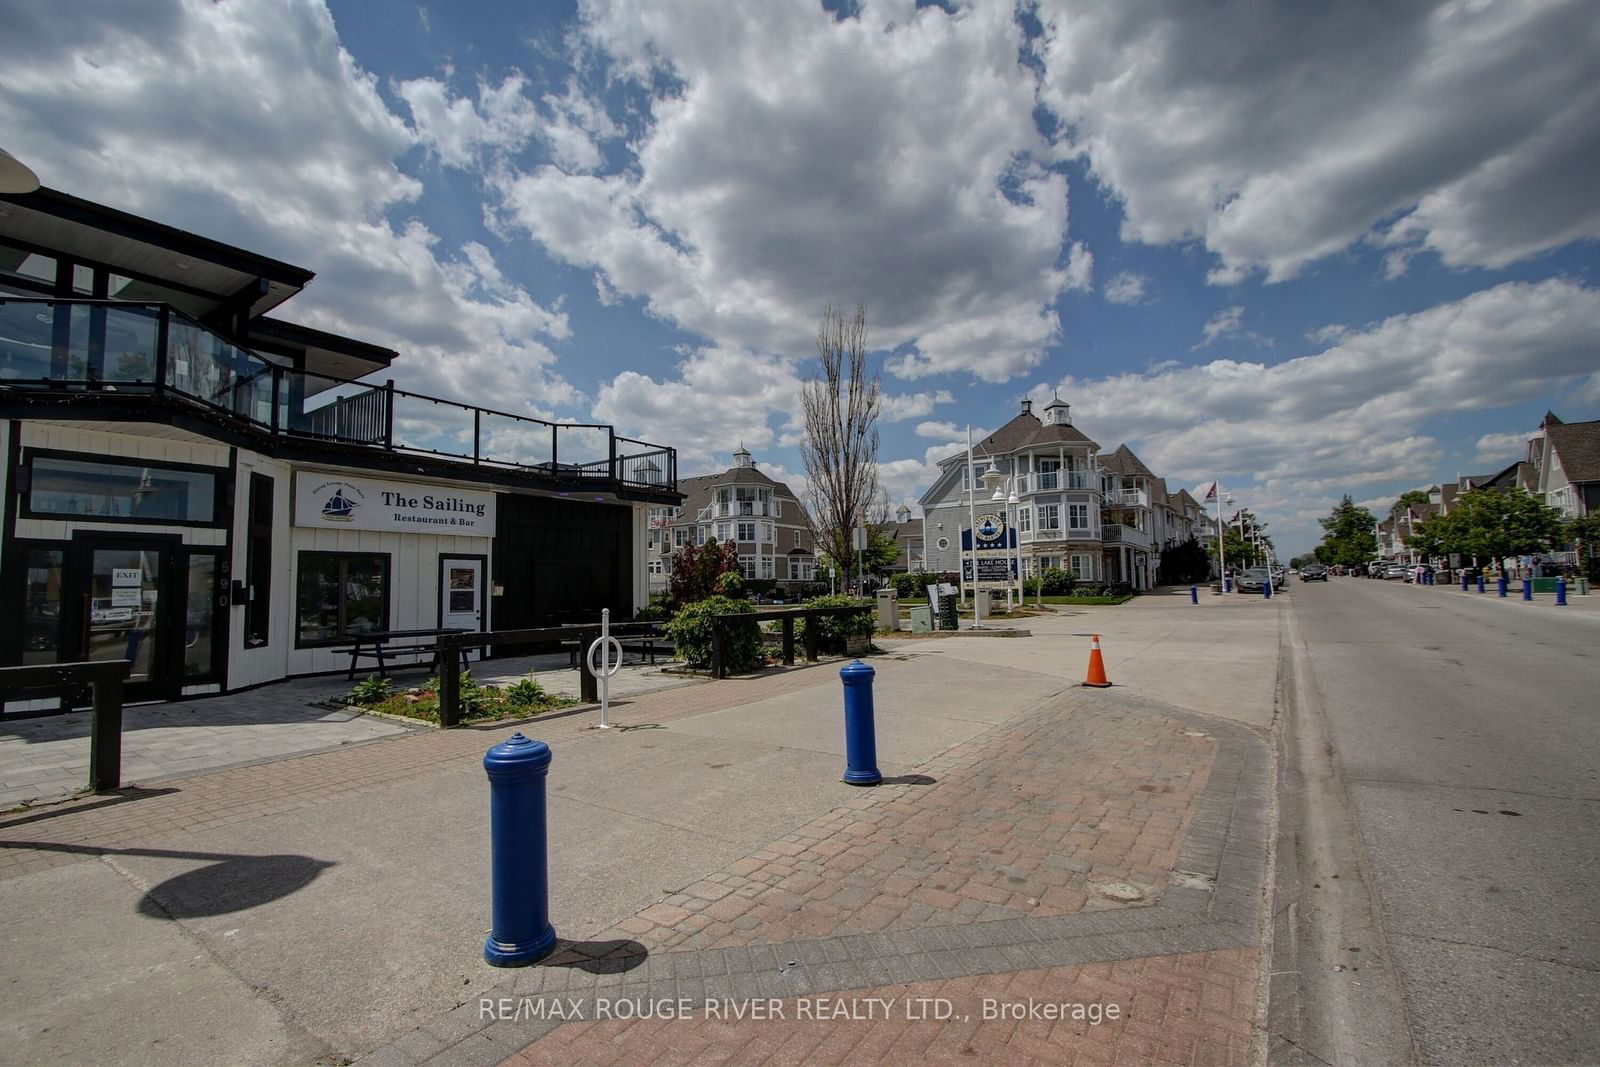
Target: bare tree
840 450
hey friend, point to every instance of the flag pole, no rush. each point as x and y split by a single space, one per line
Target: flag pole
972 527
1222 557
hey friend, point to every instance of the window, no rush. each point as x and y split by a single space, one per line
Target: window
32 266
258 563
199 641
41 606
62 485
683 535
341 594
1083 567
943 543
1049 517
797 538
724 531
747 531
747 566
1025 519
1078 516
1048 476
655 566
766 566
766 533
1049 563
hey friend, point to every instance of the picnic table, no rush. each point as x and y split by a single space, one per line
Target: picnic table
379 645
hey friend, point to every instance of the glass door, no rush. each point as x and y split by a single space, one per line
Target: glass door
122 609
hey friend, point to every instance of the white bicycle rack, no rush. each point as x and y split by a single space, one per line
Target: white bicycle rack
605 645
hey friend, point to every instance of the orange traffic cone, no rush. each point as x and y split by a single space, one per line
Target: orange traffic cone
1097 667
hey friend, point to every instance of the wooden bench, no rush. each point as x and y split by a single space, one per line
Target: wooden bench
645 646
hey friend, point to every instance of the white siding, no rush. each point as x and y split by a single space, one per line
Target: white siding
413 581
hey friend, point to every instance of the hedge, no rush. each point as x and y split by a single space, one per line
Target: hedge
690 631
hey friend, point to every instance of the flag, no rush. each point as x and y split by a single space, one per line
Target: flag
1412 516
1211 492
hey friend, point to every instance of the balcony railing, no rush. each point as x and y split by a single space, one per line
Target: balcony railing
1118 533
119 348
1126 498
1055 481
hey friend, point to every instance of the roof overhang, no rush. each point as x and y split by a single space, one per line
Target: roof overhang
327 354
81 229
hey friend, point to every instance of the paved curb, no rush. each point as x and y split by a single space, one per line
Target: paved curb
1223 857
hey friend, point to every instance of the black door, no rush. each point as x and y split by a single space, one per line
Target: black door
119 605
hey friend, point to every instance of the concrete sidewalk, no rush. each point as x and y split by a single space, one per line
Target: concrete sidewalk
1035 839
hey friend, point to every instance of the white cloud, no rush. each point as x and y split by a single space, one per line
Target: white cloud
1355 414
1080 266
902 406
1127 287
1223 323
797 160
250 123
456 130
720 398
1499 449
1280 135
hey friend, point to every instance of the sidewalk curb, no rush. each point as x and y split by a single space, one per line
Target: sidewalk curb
1226 847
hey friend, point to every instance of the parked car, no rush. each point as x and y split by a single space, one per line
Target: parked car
1314 573
1396 570
1377 569
1253 580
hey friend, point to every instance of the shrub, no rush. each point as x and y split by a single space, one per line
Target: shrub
690 631
652 613
729 584
834 631
374 690
913 586
525 692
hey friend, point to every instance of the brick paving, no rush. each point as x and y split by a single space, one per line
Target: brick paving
1181 964
1025 820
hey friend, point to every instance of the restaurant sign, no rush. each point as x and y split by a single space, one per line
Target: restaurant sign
328 502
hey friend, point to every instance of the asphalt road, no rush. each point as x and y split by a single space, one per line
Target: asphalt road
1462 737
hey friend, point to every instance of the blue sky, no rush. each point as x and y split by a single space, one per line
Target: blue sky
1306 252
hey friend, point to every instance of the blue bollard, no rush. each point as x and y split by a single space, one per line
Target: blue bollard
1527 589
1227 584
1561 592
1463 581
521 932
1194 594
1502 587
1480 582
860 733
1266 589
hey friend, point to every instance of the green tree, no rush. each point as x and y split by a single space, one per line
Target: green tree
1185 562
1429 537
1584 533
1239 552
1348 539
1488 525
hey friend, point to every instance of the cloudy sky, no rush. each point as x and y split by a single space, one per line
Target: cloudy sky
1306 249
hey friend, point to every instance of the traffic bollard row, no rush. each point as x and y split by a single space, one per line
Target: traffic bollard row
1194 594
1561 592
1527 589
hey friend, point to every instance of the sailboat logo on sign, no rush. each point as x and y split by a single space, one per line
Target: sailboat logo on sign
339 507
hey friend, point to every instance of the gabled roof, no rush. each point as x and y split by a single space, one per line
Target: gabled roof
1020 432
1577 444
1518 475
1185 500
701 490
1124 462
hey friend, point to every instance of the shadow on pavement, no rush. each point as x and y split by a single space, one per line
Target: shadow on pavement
231 883
121 796
597 957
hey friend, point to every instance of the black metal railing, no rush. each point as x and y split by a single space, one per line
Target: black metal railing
119 347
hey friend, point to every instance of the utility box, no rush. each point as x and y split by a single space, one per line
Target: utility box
980 604
921 618
889 609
